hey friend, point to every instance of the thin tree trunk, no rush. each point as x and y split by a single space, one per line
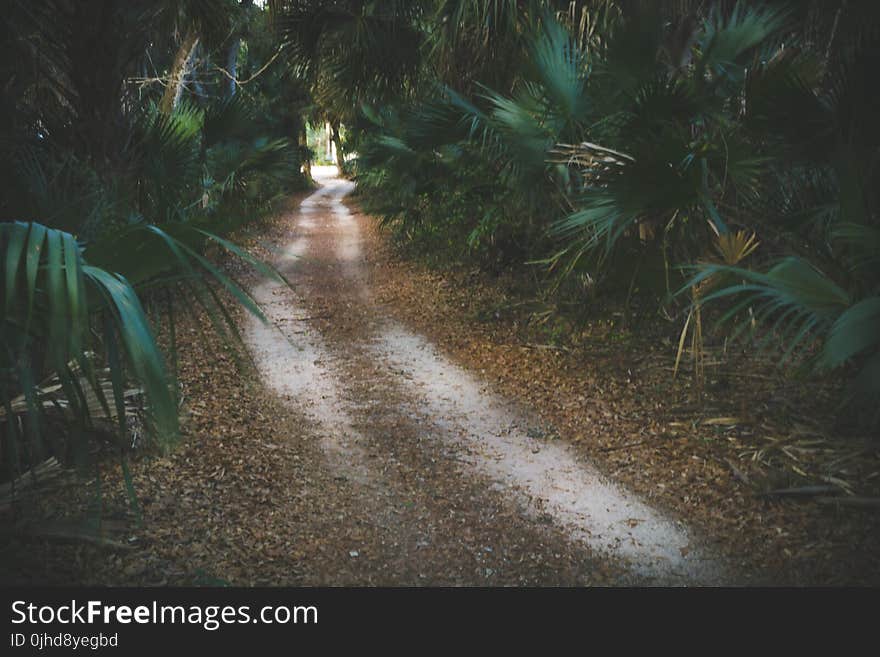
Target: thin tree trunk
328 141
337 143
203 60
831 38
232 54
232 67
182 61
304 144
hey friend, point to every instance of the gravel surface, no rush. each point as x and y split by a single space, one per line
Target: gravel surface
457 484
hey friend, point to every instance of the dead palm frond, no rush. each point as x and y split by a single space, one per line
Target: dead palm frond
732 249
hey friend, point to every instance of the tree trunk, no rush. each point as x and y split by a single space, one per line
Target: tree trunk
232 68
304 145
337 143
203 59
232 54
328 142
828 51
179 68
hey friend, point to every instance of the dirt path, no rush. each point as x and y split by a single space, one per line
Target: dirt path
444 481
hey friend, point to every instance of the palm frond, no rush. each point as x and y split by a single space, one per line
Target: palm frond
727 41
50 292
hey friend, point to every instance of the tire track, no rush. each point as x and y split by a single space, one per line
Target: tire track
426 442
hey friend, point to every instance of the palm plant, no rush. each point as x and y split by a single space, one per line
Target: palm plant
821 298
490 148
52 298
86 238
672 154
615 135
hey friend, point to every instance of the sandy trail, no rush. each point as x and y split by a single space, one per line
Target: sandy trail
462 483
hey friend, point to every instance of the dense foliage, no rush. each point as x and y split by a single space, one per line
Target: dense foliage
724 149
134 135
